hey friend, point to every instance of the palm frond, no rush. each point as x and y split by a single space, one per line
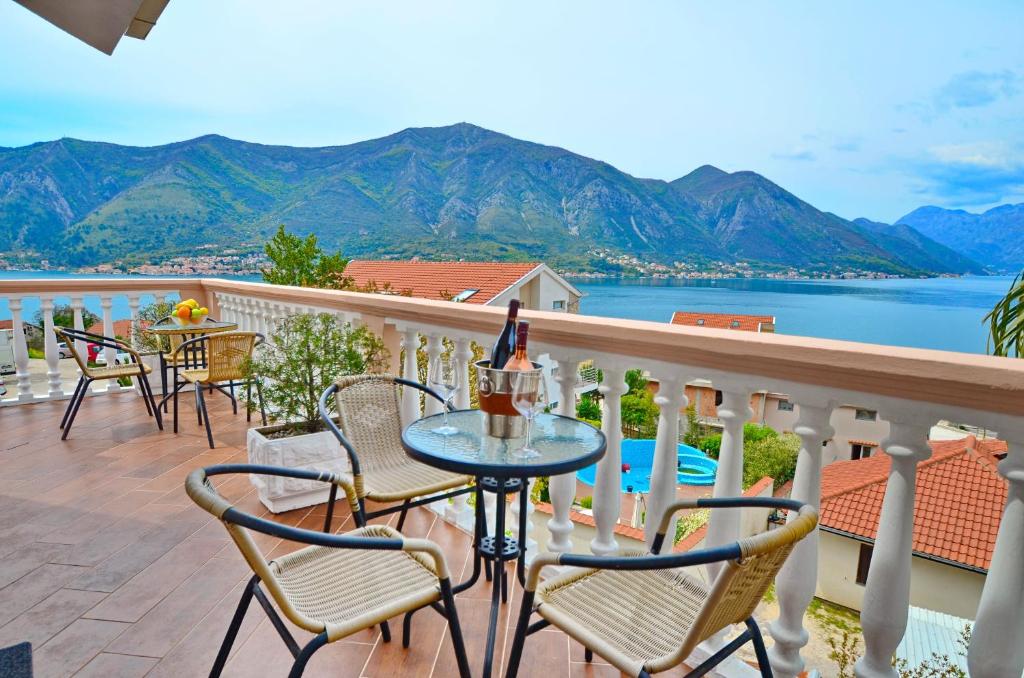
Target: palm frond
1006 322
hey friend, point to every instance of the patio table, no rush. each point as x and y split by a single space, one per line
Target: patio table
168 327
565 446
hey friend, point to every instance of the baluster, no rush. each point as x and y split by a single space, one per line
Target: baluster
883 614
434 348
664 470
77 304
608 484
20 350
52 354
459 511
106 303
724 525
562 489
796 581
410 370
226 302
513 509
463 355
133 313
997 643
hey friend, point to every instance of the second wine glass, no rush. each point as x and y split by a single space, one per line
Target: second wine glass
445 378
529 398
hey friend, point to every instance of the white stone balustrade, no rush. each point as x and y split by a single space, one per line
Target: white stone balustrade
911 389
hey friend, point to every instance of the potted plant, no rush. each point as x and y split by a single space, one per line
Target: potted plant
304 355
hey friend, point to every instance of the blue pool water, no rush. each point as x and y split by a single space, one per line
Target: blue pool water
639 454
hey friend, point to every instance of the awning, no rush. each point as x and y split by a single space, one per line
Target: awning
100 23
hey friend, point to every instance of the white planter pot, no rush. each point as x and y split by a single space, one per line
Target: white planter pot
316 451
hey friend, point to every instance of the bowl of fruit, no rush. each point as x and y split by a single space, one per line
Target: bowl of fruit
189 312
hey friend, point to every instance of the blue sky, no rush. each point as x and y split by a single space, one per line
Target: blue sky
862 108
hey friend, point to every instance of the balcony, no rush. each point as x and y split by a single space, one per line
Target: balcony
106 566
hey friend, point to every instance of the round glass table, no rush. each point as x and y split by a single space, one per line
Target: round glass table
177 333
565 446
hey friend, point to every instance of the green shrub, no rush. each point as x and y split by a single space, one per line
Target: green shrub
690 523
304 355
710 445
773 456
587 502
588 408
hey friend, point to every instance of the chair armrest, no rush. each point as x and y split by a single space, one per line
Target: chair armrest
431 549
648 562
328 420
722 502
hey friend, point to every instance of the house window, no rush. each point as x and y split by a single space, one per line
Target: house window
558 305
464 294
734 323
860 451
864 563
785 406
718 398
865 415
700 321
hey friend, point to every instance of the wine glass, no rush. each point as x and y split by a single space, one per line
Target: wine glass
446 379
529 397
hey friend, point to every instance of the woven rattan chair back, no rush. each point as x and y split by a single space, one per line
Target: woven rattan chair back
742 584
82 361
370 416
227 354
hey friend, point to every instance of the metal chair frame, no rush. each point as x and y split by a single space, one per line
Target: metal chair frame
70 336
655 561
359 510
231 515
197 345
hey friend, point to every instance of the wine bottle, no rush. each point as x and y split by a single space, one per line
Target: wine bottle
505 346
520 361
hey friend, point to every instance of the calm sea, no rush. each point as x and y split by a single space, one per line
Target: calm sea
941 313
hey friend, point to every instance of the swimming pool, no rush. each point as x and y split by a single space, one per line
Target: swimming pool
695 467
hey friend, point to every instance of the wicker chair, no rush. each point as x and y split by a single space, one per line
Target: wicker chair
170 357
369 416
337 585
226 355
134 369
644 613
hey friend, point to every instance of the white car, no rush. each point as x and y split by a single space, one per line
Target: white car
62 350
121 358
3 389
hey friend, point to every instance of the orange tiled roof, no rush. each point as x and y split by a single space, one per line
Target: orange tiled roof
122 328
6 324
723 321
958 505
429 279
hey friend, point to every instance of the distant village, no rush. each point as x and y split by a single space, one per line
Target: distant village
231 262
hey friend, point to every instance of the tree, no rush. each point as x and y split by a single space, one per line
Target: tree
301 262
636 381
306 354
1006 322
639 415
773 456
588 408
64 316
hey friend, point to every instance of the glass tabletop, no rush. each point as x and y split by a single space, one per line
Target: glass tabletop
565 445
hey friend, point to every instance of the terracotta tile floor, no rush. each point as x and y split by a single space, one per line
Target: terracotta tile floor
109 570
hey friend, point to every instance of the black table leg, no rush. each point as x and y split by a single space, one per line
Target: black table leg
499 577
521 561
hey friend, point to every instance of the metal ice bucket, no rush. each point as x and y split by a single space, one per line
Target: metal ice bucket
494 388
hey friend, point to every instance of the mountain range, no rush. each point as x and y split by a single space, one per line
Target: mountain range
994 238
434 192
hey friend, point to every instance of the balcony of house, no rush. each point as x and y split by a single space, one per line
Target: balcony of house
107 565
